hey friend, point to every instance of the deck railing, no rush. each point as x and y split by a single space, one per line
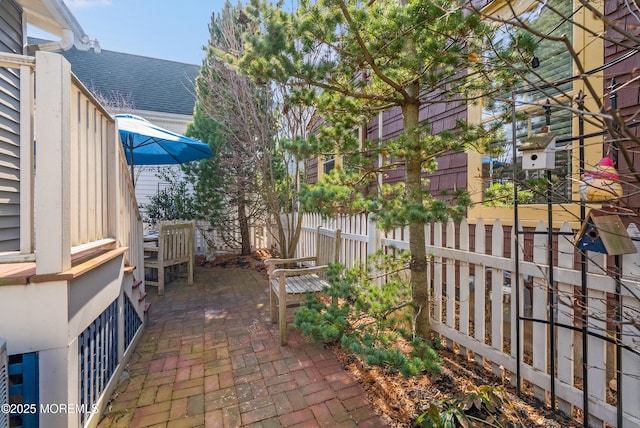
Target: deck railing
75 191
25 69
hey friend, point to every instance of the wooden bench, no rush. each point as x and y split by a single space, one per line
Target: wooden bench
175 247
289 286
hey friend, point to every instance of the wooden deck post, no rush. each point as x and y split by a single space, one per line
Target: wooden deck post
53 158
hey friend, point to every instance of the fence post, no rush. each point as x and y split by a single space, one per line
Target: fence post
53 158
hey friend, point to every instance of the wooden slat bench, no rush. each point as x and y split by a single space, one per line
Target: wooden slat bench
175 247
289 287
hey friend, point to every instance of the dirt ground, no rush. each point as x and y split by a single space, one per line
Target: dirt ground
401 400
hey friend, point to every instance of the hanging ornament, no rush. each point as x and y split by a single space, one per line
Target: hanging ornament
601 183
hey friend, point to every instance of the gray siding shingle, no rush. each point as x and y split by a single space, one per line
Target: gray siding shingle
10 42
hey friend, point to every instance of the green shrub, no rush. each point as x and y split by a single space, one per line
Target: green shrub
370 319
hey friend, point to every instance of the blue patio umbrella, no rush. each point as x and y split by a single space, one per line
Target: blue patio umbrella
147 144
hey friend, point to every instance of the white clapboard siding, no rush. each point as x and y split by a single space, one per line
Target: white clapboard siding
14 78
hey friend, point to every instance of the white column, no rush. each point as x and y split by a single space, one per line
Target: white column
53 236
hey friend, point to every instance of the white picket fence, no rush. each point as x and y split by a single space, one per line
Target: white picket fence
465 258
210 243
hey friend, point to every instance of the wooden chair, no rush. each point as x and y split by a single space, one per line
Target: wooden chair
175 247
289 287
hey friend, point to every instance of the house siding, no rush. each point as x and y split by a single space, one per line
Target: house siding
628 97
10 42
452 167
311 170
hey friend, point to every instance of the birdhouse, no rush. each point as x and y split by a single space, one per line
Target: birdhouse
601 183
538 152
604 232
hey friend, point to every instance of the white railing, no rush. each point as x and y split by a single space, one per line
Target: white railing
467 258
91 134
129 229
75 192
26 67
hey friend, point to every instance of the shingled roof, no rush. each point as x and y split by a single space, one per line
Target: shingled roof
148 83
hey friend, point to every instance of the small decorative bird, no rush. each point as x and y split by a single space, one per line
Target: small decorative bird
602 183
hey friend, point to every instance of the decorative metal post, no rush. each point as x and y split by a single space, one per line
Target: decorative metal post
617 261
516 246
550 286
583 271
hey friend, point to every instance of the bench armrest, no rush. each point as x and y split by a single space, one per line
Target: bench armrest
274 262
298 272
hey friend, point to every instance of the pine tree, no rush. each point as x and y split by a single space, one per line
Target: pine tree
351 60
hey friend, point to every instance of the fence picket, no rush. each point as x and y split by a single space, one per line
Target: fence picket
540 308
437 274
516 245
597 353
566 346
427 239
497 281
464 285
596 309
451 280
479 287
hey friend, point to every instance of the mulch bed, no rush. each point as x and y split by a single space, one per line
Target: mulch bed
401 400
253 261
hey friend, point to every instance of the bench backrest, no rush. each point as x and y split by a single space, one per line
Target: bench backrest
327 246
175 240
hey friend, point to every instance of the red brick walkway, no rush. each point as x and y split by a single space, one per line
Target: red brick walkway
209 357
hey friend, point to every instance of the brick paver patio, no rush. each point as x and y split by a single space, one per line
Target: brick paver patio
209 357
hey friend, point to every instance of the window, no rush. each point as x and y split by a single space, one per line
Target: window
552 63
351 142
328 163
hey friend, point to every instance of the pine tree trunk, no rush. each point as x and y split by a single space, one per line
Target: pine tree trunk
417 244
243 223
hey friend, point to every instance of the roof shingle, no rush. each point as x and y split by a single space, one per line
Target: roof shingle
148 83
